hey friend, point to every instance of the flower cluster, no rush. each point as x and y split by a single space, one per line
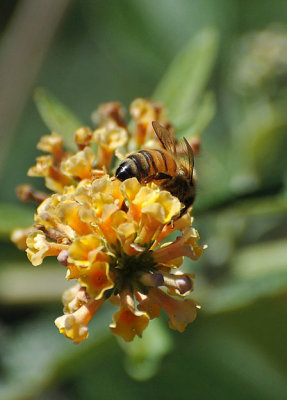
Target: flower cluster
260 60
110 235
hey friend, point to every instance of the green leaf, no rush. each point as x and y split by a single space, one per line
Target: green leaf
183 84
144 355
37 355
57 116
266 258
23 284
260 137
13 216
195 123
267 205
224 350
246 368
256 271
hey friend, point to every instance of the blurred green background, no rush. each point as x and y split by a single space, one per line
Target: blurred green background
225 59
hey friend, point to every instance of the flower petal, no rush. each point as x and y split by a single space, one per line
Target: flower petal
128 324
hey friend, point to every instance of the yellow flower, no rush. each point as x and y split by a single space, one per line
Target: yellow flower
180 313
73 298
148 306
19 237
109 114
42 167
108 139
52 144
74 325
85 250
38 247
80 164
27 193
106 234
49 166
111 236
144 112
156 208
83 137
96 279
127 322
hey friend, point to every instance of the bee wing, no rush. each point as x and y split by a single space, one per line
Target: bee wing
165 137
190 158
185 158
183 153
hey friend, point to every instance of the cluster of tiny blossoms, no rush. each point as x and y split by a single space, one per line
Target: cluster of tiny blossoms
260 60
109 234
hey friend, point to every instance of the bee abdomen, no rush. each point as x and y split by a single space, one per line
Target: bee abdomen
159 161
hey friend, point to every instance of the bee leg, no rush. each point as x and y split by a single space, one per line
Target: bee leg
148 179
176 217
157 177
161 175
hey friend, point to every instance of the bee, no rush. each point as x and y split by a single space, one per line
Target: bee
172 171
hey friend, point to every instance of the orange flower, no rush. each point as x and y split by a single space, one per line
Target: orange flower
74 325
111 235
127 322
96 279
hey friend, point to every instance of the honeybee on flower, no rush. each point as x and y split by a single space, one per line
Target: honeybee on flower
163 167
109 233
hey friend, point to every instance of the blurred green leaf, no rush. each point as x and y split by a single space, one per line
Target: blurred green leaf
258 136
243 363
57 116
22 284
183 84
12 216
266 258
37 354
235 294
256 271
144 355
224 351
197 122
268 142
266 205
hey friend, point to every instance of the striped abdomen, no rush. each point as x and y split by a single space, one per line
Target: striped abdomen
146 163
